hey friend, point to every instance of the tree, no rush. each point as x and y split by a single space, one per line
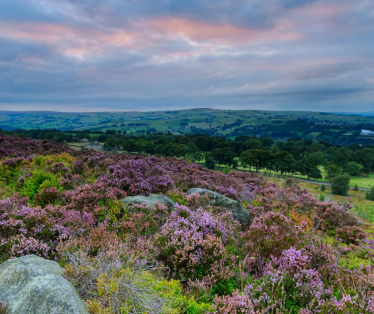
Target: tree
219 155
253 143
309 165
370 194
332 171
246 159
315 147
194 157
341 157
284 162
353 168
111 143
365 157
210 163
192 148
223 156
267 141
255 157
340 185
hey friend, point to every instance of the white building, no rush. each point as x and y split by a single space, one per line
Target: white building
367 133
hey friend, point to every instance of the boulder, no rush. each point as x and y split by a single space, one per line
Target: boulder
148 200
238 212
33 285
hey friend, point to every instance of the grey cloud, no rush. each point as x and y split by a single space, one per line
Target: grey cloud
327 66
329 70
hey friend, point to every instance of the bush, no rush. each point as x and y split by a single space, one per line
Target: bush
289 183
351 234
210 163
322 197
116 282
3 308
355 188
192 244
236 303
370 194
270 234
323 187
340 185
46 196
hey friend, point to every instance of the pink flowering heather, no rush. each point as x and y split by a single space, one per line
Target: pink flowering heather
298 255
192 243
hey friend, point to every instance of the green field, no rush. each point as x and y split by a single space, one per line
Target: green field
365 181
134 121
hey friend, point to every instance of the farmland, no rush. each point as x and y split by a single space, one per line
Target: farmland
230 123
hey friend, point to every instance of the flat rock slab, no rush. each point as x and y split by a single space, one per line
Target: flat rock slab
33 285
149 200
239 213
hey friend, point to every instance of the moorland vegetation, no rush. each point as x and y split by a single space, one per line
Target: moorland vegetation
297 255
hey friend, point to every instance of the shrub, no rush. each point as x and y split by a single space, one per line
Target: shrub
270 234
291 282
236 303
193 201
370 194
351 234
340 185
3 308
355 188
115 282
322 197
47 196
37 181
226 170
143 220
323 187
329 216
210 163
192 244
289 183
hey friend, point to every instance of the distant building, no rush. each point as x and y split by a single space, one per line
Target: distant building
85 142
367 133
95 146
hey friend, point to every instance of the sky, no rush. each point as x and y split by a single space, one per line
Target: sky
109 55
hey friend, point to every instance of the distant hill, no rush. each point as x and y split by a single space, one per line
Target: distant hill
339 128
363 114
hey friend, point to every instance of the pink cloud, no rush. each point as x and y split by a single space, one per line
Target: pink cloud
324 16
223 33
68 40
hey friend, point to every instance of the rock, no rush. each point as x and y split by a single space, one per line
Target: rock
238 212
33 285
149 200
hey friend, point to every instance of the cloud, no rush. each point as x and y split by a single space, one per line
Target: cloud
141 54
330 70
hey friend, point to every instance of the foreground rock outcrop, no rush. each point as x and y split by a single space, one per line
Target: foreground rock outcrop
238 212
33 285
149 200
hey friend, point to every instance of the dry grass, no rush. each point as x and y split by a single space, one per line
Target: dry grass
115 283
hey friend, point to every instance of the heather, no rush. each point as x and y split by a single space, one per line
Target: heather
298 255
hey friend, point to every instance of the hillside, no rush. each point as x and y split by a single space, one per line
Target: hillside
140 234
231 123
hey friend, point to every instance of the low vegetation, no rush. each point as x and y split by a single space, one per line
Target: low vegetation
298 255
